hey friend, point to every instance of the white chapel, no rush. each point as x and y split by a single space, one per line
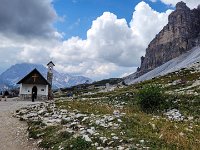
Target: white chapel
34 82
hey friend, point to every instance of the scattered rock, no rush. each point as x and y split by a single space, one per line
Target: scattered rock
86 137
76 123
174 114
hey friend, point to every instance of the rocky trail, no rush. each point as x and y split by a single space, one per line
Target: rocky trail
13 133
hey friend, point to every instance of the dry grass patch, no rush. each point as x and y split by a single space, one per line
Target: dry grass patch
86 106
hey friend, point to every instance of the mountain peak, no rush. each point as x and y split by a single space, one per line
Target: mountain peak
180 35
198 7
181 5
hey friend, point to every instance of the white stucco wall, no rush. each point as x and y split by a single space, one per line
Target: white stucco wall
27 89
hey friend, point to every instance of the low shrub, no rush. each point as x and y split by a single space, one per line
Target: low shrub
151 99
81 144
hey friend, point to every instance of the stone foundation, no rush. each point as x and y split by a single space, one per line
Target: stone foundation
28 97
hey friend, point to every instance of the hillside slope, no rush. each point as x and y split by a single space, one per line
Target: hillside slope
115 120
182 61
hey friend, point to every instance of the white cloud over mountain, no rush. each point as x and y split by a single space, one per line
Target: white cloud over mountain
112 47
112 42
190 3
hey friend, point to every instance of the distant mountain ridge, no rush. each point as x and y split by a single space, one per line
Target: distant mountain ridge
12 75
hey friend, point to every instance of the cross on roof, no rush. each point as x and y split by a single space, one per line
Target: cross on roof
34 77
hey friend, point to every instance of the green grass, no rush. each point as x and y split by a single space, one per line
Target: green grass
157 132
86 106
136 125
54 136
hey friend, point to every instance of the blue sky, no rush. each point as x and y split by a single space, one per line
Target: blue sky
77 15
94 38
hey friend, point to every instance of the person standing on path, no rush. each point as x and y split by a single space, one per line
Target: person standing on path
6 95
33 96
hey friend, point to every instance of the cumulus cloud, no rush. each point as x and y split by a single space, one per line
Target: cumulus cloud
112 42
112 47
26 31
32 51
27 18
146 23
190 3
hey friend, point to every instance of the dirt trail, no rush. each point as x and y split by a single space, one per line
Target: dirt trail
13 133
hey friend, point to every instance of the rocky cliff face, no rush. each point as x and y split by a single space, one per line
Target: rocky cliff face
180 35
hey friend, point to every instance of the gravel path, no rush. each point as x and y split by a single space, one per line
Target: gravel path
13 133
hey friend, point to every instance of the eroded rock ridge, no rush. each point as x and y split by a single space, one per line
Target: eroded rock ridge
181 34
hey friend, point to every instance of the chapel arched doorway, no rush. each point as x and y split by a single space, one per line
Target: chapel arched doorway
34 92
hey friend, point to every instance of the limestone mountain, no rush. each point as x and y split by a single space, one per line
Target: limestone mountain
180 35
12 75
183 61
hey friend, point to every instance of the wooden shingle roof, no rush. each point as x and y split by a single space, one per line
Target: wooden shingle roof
34 77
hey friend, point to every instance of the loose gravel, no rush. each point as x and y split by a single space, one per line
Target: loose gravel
13 133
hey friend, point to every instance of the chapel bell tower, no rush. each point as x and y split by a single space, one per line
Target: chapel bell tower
50 78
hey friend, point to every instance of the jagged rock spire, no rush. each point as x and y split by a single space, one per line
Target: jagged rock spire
181 5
